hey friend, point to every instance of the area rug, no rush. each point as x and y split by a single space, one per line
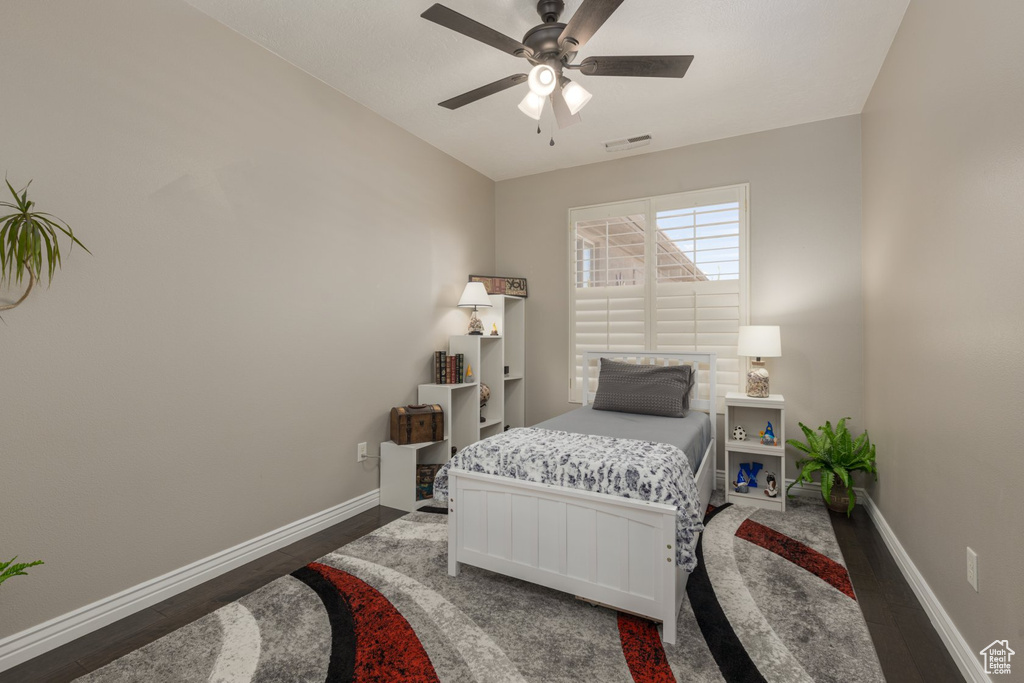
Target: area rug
770 601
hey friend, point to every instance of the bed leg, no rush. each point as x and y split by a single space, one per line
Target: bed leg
668 629
453 540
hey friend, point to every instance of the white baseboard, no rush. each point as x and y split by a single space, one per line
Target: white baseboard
968 663
40 639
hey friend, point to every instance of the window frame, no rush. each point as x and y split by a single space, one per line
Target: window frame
648 207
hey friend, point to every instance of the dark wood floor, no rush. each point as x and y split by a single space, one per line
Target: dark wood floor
907 644
908 647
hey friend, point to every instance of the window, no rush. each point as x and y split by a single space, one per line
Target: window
681 286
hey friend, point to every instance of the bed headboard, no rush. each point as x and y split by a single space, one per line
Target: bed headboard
703 373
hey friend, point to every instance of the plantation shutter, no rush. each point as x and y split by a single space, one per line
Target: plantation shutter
609 282
666 273
700 290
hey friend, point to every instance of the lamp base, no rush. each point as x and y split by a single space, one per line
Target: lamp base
476 326
757 380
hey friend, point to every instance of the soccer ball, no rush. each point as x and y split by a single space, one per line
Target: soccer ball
739 434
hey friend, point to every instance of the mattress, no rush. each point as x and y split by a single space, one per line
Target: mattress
690 434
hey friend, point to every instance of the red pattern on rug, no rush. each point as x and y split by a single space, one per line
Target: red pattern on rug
387 648
642 648
799 554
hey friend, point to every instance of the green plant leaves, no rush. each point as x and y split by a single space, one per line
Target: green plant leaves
29 239
9 570
835 455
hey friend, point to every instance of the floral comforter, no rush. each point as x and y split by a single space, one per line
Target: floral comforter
641 470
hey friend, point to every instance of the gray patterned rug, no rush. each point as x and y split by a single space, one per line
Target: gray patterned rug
770 601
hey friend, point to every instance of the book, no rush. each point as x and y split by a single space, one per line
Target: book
425 475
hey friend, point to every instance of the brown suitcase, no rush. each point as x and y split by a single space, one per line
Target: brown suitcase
417 424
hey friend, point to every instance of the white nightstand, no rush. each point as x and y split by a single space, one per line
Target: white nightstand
753 414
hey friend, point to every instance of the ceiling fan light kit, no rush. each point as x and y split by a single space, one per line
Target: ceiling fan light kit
550 47
542 80
532 105
576 96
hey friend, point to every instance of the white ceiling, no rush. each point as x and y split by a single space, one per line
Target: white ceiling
759 65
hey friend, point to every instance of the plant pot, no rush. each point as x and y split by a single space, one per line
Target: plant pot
839 500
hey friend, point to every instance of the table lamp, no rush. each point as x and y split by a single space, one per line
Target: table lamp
757 342
474 295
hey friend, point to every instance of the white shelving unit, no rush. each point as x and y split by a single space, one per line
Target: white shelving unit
487 355
753 414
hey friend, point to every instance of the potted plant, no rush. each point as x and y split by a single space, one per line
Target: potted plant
835 455
9 569
28 242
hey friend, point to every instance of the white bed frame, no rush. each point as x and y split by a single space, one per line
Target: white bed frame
602 548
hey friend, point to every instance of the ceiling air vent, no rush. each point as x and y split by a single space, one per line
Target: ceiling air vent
628 143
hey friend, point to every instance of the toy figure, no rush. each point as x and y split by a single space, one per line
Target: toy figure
494 330
771 487
768 436
747 476
740 485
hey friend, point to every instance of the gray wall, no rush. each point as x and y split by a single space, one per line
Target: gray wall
943 149
272 266
804 243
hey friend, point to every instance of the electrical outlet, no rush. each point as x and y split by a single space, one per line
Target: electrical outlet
972 568
361 452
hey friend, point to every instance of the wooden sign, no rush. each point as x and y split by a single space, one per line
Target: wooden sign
513 286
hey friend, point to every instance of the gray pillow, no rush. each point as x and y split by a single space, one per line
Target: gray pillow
644 389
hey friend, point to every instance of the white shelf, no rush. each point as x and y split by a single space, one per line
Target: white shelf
753 413
488 356
754 447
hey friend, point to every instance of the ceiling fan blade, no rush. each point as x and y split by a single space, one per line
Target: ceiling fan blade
672 66
483 91
562 115
590 16
439 14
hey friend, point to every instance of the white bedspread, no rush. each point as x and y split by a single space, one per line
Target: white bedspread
641 470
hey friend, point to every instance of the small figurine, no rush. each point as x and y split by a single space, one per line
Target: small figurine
494 330
469 373
739 433
771 488
768 436
740 485
747 477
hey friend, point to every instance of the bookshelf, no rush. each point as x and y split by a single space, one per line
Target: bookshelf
487 355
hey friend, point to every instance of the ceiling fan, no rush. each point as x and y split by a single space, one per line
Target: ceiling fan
551 47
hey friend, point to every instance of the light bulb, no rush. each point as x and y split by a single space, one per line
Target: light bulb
532 105
576 97
542 80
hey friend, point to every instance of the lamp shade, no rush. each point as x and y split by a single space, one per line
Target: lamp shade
759 341
576 96
532 105
475 294
542 80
